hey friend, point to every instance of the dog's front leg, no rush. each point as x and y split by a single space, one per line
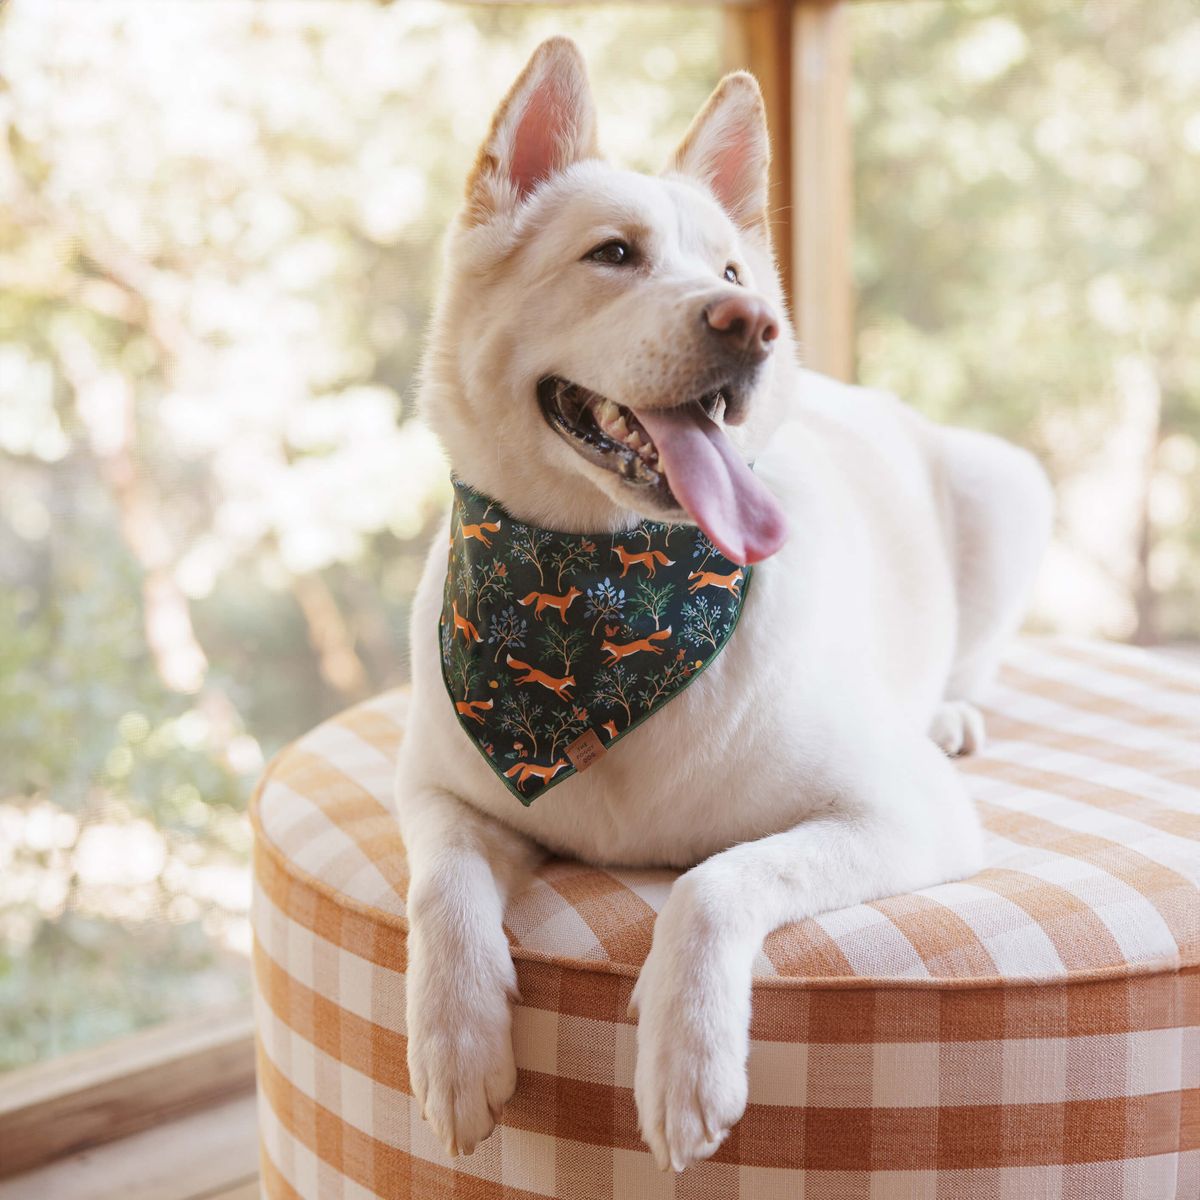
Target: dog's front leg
906 823
460 979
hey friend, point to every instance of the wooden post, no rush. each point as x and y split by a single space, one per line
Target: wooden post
759 40
800 51
822 186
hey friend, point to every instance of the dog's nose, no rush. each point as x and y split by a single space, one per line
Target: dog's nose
744 323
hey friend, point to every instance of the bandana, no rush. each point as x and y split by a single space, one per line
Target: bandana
556 645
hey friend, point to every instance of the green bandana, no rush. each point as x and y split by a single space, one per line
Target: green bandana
554 645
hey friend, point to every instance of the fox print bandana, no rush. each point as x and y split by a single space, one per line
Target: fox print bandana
555 645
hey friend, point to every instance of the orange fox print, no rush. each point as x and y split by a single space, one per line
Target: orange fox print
651 560
468 630
522 772
476 531
731 582
610 727
627 648
472 708
544 601
558 686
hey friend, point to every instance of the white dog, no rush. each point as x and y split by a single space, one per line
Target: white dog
806 770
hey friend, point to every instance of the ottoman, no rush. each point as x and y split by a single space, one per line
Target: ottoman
1031 1032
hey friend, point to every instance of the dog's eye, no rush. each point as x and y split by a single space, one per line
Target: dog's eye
731 274
613 253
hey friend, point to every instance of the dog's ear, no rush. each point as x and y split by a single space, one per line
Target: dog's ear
546 122
727 148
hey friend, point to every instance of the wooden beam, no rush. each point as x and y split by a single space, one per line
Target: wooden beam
209 1154
800 51
758 39
81 1100
822 186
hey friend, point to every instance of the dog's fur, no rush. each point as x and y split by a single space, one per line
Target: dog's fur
800 772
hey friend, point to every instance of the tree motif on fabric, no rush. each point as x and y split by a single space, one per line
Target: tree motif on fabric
703 549
488 579
574 555
704 623
667 679
464 669
614 686
521 716
563 644
653 532
565 726
528 545
605 602
651 600
506 631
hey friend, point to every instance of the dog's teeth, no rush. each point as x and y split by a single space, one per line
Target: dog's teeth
609 412
634 440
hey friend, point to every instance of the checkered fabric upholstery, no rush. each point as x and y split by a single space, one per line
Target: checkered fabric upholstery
1032 1032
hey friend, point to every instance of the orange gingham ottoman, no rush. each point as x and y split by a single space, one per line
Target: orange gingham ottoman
1031 1032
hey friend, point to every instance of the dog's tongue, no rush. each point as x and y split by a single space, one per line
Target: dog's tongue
723 496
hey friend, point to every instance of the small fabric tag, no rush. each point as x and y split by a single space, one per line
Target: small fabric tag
586 749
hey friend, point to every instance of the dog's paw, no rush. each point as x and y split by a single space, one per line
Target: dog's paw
693 1038
958 728
460 1052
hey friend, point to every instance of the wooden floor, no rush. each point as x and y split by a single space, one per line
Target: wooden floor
208 1155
